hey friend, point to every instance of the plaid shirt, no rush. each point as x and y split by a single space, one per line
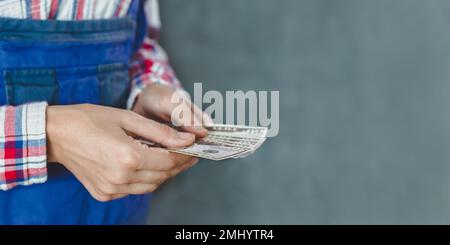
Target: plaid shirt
23 158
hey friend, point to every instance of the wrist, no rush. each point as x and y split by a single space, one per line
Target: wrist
52 133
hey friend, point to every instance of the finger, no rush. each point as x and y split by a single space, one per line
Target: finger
195 126
155 132
159 177
133 189
147 176
149 181
157 159
118 196
193 121
190 163
141 188
199 131
202 116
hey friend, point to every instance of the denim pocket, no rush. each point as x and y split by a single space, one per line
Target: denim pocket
29 85
114 85
78 85
106 84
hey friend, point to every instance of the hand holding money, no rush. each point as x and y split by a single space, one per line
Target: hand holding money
218 143
223 142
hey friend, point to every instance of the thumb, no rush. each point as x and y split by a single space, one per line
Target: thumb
155 132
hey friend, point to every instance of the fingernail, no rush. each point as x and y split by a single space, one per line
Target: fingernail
201 130
207 120
185 136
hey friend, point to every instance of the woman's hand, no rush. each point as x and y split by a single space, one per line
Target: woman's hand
156 102
95 144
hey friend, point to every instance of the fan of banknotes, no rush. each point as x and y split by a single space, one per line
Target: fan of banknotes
223 142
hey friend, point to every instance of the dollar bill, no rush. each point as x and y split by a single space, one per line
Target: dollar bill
235 130
223 142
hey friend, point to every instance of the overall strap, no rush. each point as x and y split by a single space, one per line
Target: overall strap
133 10
137 12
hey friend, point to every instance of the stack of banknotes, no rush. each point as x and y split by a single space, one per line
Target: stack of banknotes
224 141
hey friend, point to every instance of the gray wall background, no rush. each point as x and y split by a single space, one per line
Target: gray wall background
365 110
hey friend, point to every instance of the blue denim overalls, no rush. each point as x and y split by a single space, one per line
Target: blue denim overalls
68 62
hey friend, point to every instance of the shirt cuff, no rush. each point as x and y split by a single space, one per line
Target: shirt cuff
23 145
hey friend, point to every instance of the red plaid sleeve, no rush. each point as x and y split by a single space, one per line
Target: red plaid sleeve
150 64
22 145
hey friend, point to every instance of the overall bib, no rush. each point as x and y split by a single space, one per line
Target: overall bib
68 62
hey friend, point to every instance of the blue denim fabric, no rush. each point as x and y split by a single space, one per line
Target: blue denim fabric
68 62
